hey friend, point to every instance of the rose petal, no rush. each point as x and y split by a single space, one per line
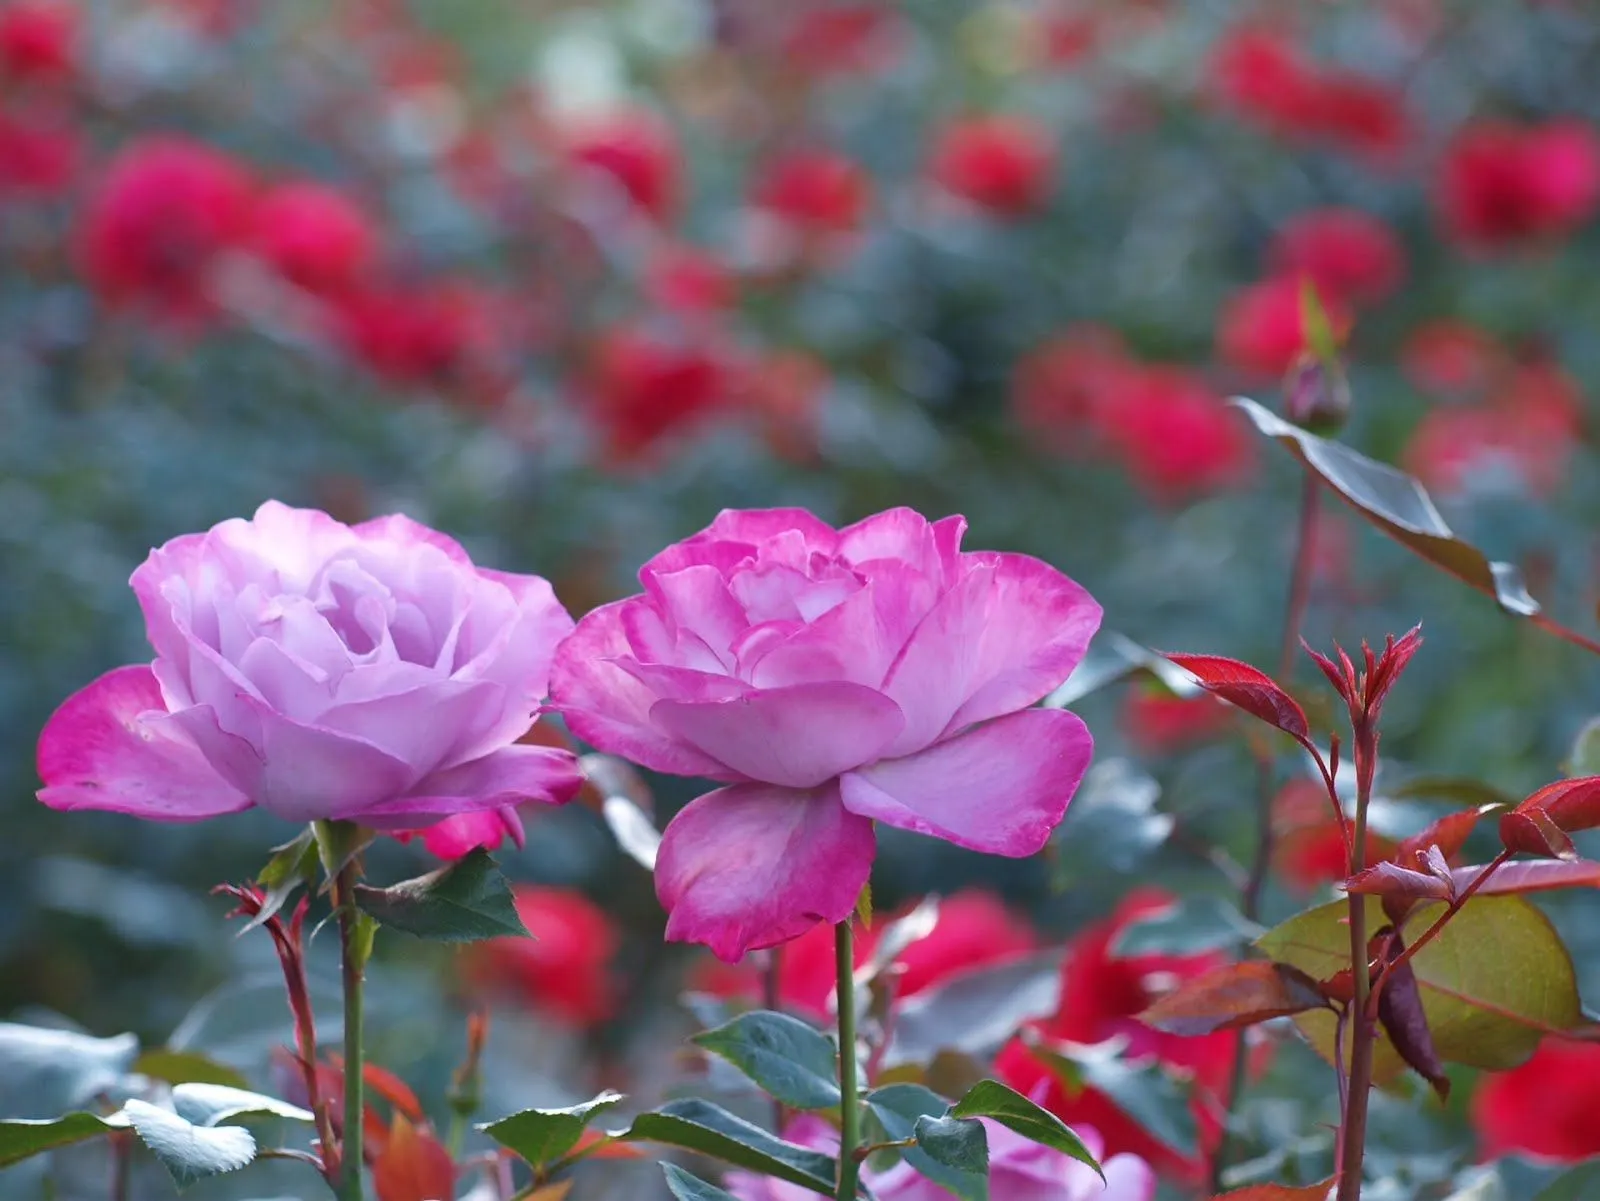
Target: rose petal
608 708
696 601
735 534
1000 787
513 775
1128 1178
932 677
398 528
753 866
96 753
456 836
1038 627
798 736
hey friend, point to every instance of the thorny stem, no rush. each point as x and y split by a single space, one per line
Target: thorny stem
1353 1125
849 1107
352 956
1305 549
1438 925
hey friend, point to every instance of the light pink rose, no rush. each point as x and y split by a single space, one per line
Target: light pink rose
831 678
367 673
1019 1170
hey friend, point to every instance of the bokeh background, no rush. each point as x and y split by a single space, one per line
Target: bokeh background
564 279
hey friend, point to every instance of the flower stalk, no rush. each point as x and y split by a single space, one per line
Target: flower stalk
355 942
849 1086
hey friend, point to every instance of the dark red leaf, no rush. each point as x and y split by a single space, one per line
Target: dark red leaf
1392 880
1439 868
1542 875
1343 684
1449 834
1251 690
1535 832
1571 804
414 1165
1382 675
1400 1011
1281 1192
1227 998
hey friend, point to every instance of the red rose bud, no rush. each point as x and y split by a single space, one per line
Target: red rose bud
1317 395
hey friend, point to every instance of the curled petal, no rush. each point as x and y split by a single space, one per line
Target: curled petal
1000 787
798 736
97 753
513 775
753 865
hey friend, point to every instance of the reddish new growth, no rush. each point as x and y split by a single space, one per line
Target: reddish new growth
1364 692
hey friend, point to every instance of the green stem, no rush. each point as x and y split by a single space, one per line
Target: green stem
1353 1127
849 1106
353 956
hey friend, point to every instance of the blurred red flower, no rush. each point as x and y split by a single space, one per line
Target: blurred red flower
642 386
565 968
974 930
637 151
40 152
38 40
1501 184
164 212
815 190
1361 115
1261 75
1309 848
1101 994
831 38
1002 163
1175 434
1451 357
412 334
1159 722
688 281
315 236
1545 1108
1261 330
1063 389
1349 255
784 390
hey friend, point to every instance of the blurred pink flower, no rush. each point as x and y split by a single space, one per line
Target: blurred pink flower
830 678
1261 330
315 236
1003 164
643 385
1501 184
367 673
814 190
38 41
1019 1170
1348 254
636 150
152 233
40 150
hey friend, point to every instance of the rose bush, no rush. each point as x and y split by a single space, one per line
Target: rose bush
830 678
367 673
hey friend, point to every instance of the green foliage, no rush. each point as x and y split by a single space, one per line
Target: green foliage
23 1138
190 1152
709 1129
686 1186
463 902
544 1136
1142 1089
796 1064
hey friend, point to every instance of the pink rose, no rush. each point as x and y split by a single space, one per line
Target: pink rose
367 673
1019 1170
830 678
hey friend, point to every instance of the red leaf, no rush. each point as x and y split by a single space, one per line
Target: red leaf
1392 880
1251 690
1281 1192
1571 804
1382 675
1540 876
387 1085
1227 998
414 1165
1449 834
1536 832
596 1144
1400 1011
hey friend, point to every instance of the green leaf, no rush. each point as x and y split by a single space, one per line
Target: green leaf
1585 757
292 864
23 1138
338 843
795 1063
960 1146
1582 1183
864 906
1399 506
686 1186
697 1125
45 1072
542 1136
462 902
1198 924
190 1153
1455 789
1142 1089
217 1104
1495 980
975 1012
896 1110
1112 657
186 1067
1319 330
993 1100
1113 824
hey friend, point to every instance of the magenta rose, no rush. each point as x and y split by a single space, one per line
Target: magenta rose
831 678
1019 1170
367 673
